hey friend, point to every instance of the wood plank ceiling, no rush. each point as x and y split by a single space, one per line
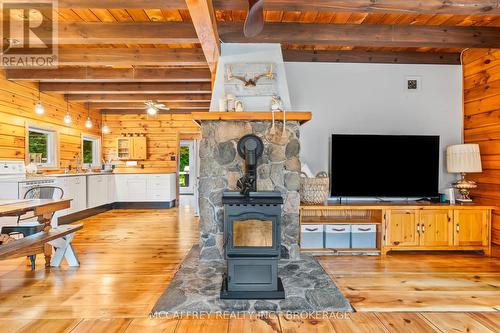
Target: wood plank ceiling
116 58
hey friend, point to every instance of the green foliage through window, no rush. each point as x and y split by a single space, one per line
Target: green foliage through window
39 144
183 162
88 151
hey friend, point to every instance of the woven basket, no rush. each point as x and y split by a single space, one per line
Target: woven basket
314 190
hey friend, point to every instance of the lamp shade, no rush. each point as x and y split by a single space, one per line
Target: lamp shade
463 158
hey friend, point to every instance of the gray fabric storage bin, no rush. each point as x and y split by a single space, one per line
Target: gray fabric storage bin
338 236
311 236
363 236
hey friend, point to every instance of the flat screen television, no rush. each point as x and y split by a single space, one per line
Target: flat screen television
384 165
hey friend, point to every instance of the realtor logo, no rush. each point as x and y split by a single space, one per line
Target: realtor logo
29 34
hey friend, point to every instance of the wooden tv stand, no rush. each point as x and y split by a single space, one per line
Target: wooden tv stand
409 225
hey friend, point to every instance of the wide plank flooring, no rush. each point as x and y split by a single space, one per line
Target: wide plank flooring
128 258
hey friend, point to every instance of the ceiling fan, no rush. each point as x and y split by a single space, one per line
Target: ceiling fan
152 107
254 23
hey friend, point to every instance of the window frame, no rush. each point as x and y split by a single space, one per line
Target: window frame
52 146
96 149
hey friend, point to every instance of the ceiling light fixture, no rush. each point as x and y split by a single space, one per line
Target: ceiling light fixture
105 127
39 108
88 122
151 110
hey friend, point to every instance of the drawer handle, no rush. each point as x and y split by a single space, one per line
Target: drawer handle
343 229
364 229
311 229
458 227
395 243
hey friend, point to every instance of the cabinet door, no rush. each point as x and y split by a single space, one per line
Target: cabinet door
136 190
436 228
111 188
139 148
79 186
402 228
124 148
471 227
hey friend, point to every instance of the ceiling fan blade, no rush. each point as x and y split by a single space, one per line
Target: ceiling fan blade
254 22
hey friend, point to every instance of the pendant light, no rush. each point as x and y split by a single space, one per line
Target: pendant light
88 122
67 117
105 127
39 108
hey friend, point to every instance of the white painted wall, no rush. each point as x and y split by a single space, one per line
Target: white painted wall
251 53
372 99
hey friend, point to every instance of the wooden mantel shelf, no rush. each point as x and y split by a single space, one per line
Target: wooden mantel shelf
301 117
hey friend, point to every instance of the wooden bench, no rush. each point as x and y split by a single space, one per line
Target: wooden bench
60 238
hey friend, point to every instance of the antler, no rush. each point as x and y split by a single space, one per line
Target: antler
269 74
230 76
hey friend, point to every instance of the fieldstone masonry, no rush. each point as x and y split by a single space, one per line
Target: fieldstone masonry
221 166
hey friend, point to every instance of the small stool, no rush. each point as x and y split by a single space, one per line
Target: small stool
26 230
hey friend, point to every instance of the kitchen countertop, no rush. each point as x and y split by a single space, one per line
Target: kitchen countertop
105 173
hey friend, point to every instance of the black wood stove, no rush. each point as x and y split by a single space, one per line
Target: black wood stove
252 233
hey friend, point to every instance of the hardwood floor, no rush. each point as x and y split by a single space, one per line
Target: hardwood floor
129 256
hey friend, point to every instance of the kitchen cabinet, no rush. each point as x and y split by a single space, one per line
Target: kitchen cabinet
97 190
161 187
145 188
111 183
132 148
74 188
471 228
131 188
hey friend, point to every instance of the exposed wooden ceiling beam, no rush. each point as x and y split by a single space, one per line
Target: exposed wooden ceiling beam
372 57
78 74
131 56
137 111
458 7
129 4
367 35
141 97
126 87
205 24
126 33
140 105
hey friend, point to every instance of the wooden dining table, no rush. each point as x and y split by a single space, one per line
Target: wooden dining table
42 209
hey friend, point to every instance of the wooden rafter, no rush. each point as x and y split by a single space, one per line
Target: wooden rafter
129 4
140 105
139 97
126 33
202 14
138 111
372 57
367 35
126 87
131 56
78 74
458 7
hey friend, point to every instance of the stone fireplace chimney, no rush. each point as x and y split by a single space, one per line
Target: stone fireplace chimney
220 165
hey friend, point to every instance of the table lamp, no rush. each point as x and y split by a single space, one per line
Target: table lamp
464 158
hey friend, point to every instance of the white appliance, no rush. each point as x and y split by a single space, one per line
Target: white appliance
14 183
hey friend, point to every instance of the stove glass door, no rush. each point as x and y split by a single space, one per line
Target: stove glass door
252 233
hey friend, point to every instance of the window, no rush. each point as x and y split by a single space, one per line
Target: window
91 150
186 167
42 147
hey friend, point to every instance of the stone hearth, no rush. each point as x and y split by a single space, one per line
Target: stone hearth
221 166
